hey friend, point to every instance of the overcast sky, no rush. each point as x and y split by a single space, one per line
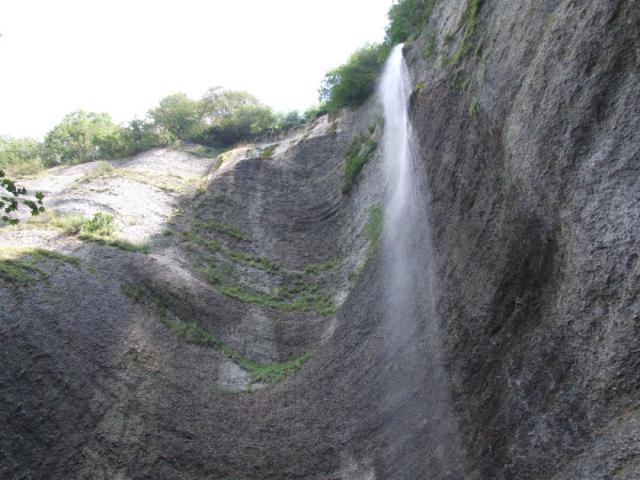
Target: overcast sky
123 56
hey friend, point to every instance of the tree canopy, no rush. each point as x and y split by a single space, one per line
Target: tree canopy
179 115
82 136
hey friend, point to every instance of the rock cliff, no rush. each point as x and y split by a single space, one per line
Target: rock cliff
232 327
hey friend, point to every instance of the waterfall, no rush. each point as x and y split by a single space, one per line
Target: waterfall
412 339
402 206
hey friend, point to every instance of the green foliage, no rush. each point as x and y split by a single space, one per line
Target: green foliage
140 135
100 224
21 156
473 107
373 231
178 115
82 136
263 373
214 225
352 83
10 200
21 266
99 229
193 333
133 291
218 103
315 111
468 26
357 155
315 268
244 123
269 151
289 120
407 19
252 260
307 302
430 50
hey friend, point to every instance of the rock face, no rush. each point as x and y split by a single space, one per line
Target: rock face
131 365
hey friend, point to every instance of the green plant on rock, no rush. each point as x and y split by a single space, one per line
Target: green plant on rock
430 50
214 225
358 152
99 229
261 373
315 268
269 151
473 107
373 232
468 26
193 333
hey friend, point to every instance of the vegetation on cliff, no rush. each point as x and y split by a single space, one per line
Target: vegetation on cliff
353 82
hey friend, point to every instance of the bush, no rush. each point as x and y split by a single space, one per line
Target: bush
353 82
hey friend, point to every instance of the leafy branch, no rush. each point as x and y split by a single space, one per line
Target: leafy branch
10 200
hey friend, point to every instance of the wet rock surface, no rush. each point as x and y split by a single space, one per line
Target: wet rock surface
111 367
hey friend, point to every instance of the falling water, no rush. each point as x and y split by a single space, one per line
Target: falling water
418 398
402 208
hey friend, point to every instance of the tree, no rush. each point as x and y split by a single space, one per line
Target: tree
242 124
180 116
289 120
80 137
407 18
218 103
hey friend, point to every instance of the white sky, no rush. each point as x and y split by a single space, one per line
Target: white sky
123 56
